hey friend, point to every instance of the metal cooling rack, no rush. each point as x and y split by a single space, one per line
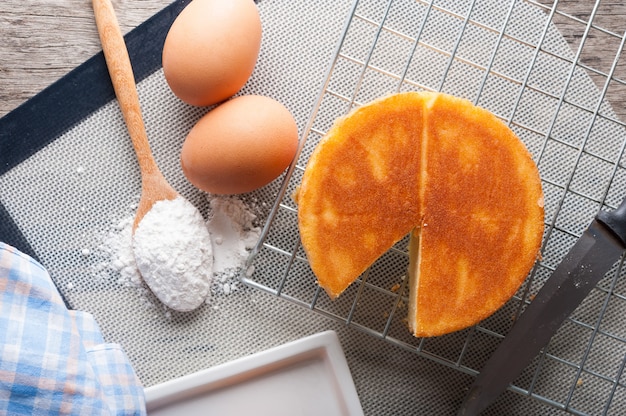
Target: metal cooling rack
510 58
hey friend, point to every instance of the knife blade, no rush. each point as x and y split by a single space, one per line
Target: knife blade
595 252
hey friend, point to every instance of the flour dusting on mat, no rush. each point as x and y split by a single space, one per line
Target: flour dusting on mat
115 256
234 233
232 228
173 252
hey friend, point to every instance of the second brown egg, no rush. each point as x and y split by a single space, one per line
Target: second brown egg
242 145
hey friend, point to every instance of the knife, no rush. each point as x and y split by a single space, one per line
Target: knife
595 252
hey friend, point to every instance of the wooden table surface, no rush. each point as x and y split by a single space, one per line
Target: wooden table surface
42 40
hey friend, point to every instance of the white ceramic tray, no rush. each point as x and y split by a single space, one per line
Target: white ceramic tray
309 376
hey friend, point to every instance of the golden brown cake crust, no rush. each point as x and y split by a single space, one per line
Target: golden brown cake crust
445 166
361 179
482 220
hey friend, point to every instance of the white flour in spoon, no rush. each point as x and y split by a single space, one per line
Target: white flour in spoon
233 231
173 253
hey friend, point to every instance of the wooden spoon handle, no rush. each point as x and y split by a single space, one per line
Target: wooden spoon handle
121 72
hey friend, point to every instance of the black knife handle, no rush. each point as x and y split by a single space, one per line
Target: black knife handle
615 220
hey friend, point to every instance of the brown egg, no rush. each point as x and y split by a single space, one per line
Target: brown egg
211 49
240 146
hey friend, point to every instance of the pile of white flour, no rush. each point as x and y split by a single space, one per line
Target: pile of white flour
231 226
174 254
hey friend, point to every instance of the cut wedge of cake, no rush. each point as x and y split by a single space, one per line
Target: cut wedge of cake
442 169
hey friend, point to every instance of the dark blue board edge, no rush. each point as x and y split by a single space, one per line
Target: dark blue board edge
57 108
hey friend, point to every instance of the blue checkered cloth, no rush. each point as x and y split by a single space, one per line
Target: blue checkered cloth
54 360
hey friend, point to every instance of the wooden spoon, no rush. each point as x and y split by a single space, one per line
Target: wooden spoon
154 187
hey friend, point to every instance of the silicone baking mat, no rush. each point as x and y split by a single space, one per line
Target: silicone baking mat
68 175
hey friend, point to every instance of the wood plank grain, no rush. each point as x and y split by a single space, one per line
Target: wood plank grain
41 42
44 40
601 45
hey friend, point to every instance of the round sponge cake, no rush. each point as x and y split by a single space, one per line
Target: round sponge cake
446 171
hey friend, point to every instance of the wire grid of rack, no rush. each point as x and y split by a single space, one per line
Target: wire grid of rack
510 58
